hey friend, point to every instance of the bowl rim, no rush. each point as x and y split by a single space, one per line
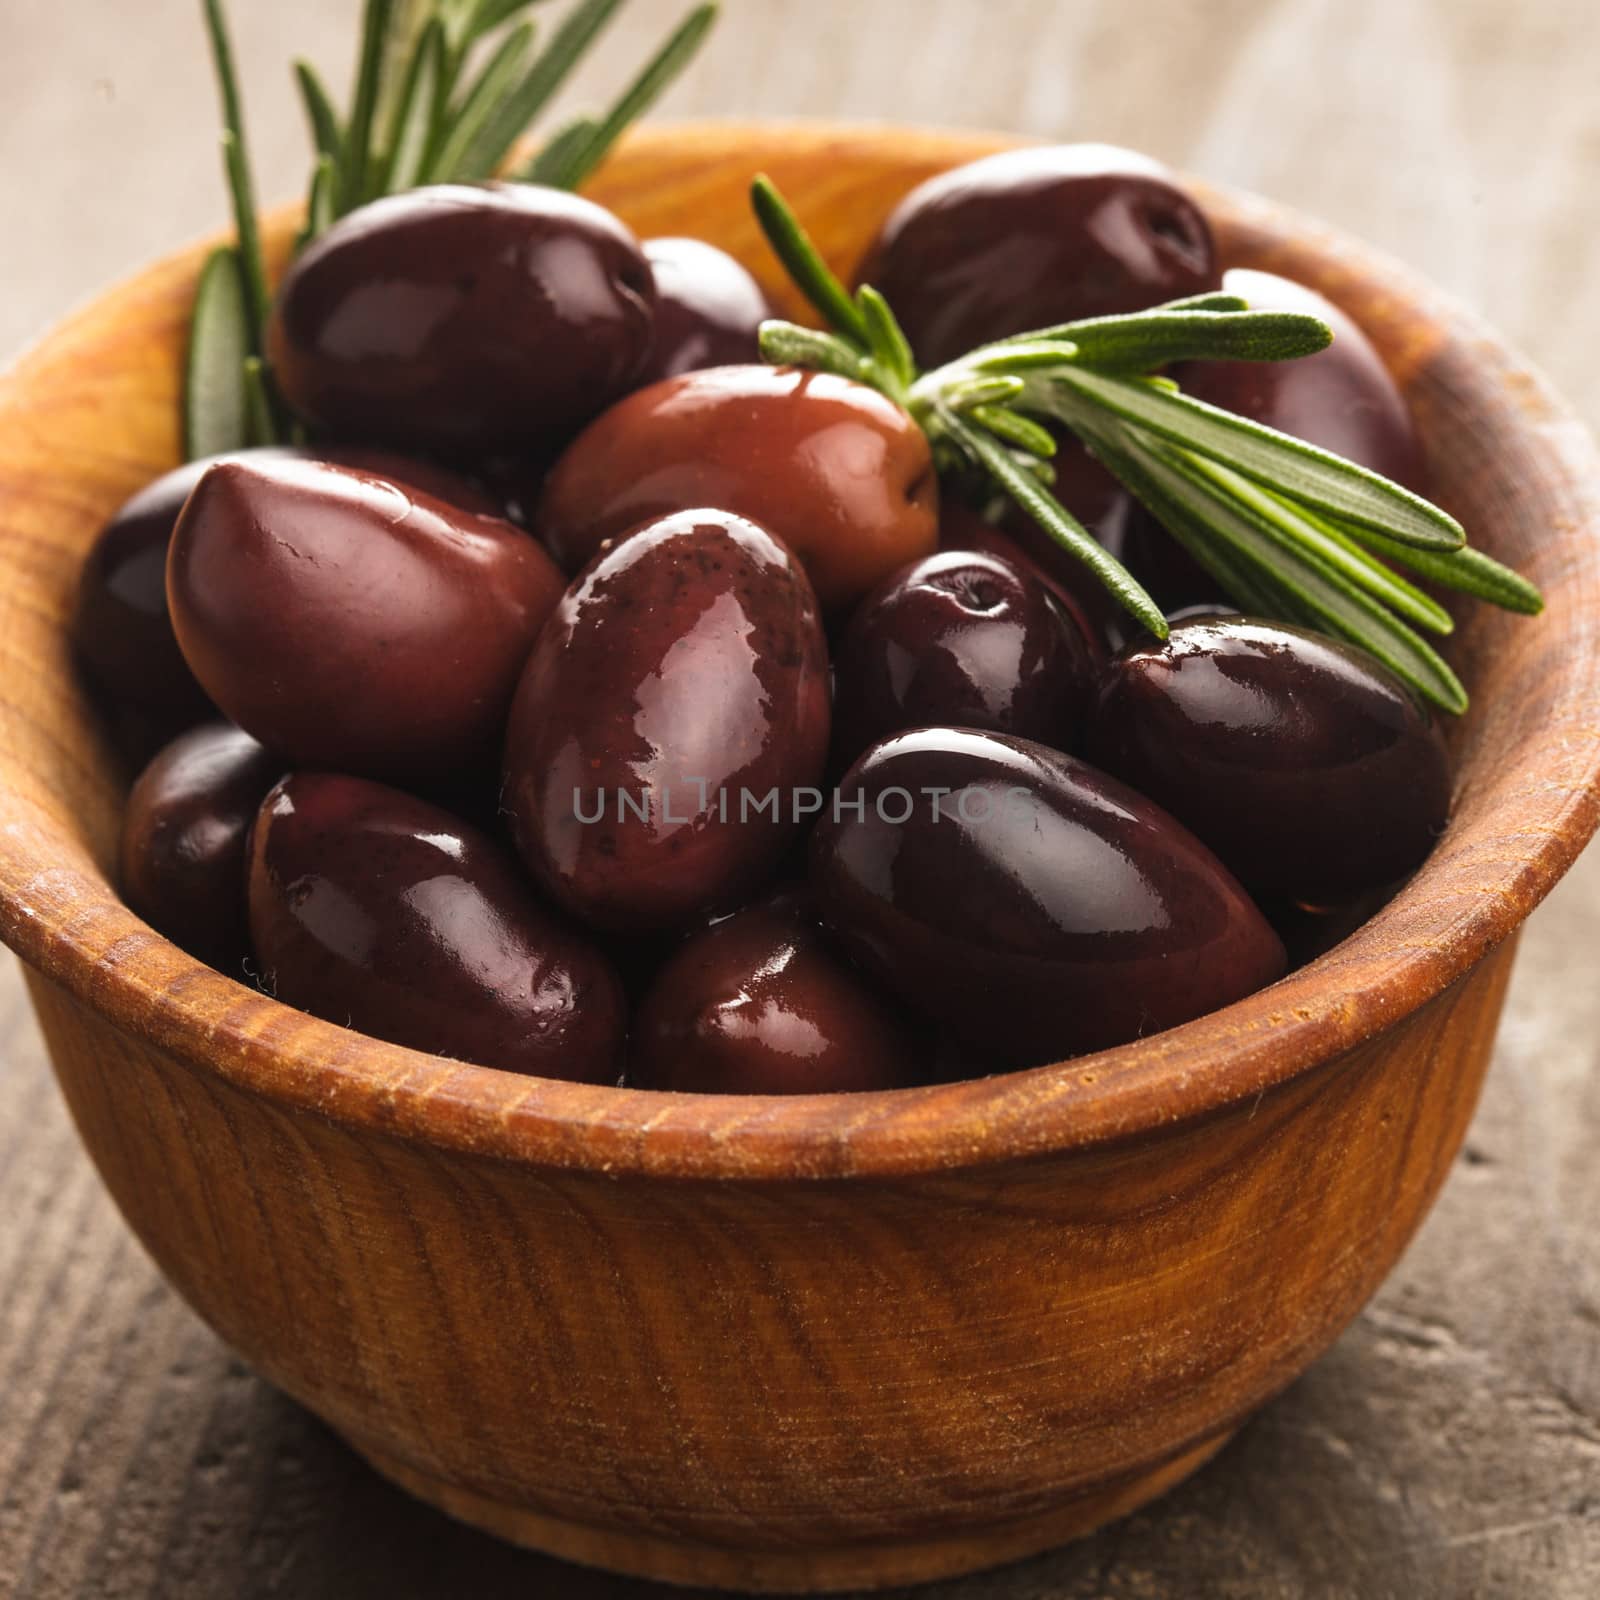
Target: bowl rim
68 924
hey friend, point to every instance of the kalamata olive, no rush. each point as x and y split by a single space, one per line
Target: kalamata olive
962 528
680 685
371 908
1029 238
1304 763
836 470
184 834
960 638
121 631
1342 398
760 1004
351 623
463 319
709 309
1031 904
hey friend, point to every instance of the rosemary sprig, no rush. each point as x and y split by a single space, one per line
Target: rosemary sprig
1287 530
420 112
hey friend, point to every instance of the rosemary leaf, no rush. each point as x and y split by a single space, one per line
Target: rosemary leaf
214 417
252 266
652 82
995 390
1307 531
1287 466
1466 570
486 15
554 163
321 119
804 264
516 110
411 125
1055 519
887 339
460 156
1012 428
787 344
1337 604
236 162
1214 300
319 207
1151 339
1020 355
261 428
356 150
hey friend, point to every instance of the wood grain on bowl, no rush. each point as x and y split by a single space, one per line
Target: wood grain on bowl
819 1342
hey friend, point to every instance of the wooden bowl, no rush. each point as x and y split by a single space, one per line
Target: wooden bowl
823 1342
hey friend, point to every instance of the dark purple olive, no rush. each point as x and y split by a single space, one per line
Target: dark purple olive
709 309
463 319
1032 905
1303 763
352 623
961 638
1097 500
962 528
760 1004
121 631
1342 398
1028 238
184 836
374 909
681 679
835 469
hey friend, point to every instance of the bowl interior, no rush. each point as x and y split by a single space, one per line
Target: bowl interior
91 414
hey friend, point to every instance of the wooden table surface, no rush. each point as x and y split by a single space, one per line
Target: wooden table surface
1449 1445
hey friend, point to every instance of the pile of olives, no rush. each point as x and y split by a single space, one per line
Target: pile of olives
588 699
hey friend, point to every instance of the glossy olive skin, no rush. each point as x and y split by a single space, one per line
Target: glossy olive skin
1304 763
351 623
184 834
965 639
463 319
836 470
1028 238
1035 907
379 911
121 631
1342 398
709 309
760 1003
689 654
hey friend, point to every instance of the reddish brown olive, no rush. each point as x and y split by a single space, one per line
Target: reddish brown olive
1029 903
184 835
1028 238
1342 398
760 1003
1304 763
351 623
961 638
836 470
121 631
680 683
463 319
371 908
709 309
